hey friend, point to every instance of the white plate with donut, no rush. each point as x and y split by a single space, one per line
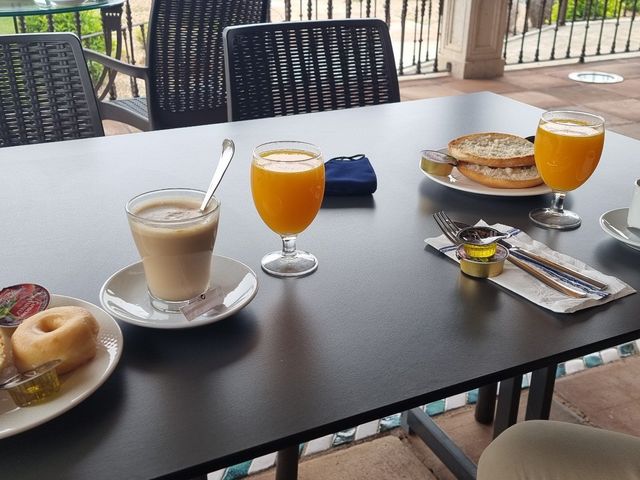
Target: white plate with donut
125 296
75 386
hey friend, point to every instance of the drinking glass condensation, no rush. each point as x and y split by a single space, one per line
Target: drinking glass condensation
175 240
287 184
567 150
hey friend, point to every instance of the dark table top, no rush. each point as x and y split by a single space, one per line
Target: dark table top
383 325
11 8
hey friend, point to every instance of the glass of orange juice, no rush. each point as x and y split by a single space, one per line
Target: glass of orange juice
567 150
287 184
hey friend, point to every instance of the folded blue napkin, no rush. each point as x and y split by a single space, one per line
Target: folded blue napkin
349 176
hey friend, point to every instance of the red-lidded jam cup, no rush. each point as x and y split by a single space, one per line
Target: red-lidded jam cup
19 302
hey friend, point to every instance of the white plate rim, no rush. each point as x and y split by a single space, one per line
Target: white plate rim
67 399
183 323
465 184
604 220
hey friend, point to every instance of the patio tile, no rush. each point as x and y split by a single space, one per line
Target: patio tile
456 401
573 366
387 423
610 355
262 463
498 86
541 81
367 429
628 87
585 93
607 395
628 108
538 99
318 445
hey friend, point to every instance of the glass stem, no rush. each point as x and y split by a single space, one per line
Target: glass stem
289 245
557 204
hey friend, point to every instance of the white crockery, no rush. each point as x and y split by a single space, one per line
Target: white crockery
124 295
614 222
76 385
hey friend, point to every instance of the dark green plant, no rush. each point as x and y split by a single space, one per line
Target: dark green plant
592 8
90 22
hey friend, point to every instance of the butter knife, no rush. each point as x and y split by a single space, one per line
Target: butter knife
561 287
592 282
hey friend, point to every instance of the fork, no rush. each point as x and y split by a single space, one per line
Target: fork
450 230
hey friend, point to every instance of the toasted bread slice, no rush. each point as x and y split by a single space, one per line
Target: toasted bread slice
497 177
493 149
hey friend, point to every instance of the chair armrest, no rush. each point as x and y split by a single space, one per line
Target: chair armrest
122 67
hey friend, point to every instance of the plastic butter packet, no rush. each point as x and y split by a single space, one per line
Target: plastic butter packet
212 299
19 302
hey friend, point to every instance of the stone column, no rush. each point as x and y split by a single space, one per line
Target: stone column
473 37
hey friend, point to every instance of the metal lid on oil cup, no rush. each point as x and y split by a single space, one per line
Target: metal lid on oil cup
482 268
436 162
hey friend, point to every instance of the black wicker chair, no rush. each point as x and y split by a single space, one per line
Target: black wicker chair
46 93
184 73
299 67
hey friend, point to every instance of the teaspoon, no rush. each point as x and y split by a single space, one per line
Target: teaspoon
228 149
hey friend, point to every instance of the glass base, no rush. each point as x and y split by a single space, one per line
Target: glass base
557 220
167 306
297 265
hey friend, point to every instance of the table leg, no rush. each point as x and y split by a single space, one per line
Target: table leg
418 422
287 463
486 403
508 402
541 393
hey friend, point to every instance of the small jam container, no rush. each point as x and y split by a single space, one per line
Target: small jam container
471 240
482 267
33 386
21 301
437 163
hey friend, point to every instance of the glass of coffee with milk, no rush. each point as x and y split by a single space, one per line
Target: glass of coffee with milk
175 239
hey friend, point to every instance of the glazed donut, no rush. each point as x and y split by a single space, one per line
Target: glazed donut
65 333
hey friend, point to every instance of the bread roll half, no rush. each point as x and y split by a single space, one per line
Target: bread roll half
510 177
493 149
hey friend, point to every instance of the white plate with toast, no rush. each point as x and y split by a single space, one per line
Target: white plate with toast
498 164
75 386
457 181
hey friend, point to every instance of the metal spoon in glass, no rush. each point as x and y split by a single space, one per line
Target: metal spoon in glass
228 149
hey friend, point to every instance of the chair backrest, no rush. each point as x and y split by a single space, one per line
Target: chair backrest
186 59
300 67
46 94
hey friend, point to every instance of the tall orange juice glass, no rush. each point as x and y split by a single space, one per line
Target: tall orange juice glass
567 150
287 184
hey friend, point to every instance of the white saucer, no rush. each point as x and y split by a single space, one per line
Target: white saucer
125 296
614 222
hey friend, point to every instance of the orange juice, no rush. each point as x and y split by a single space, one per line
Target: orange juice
287 188
567 152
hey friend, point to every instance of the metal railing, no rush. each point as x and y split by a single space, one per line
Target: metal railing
537 30
542 30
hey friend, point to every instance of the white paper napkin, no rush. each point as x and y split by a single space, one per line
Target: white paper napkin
527 286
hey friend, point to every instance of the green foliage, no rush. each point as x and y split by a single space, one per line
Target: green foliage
592 9
90 22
